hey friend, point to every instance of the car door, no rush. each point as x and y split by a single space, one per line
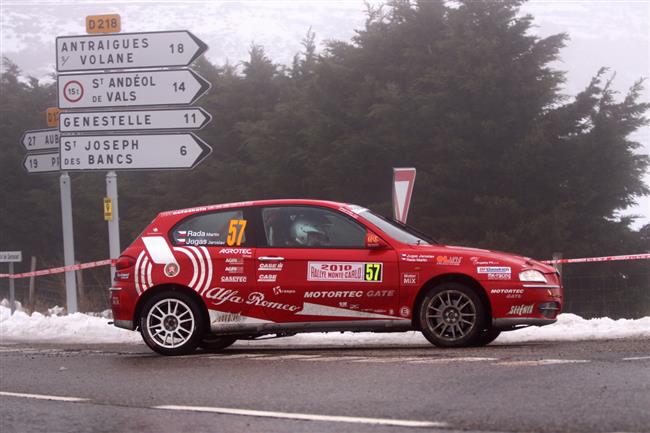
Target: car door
313 265
219 246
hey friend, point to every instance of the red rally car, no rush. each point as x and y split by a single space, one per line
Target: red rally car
207 276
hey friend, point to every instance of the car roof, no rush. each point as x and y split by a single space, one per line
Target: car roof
275 202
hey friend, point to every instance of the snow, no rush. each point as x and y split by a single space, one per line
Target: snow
82 328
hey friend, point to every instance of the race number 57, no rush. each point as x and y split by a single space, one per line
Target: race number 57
236 232
373 272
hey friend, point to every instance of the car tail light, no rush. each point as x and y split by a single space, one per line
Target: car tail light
124 262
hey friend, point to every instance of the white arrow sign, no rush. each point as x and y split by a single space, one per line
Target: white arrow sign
127 50
129 152
134 120
40 139
42 162
123 89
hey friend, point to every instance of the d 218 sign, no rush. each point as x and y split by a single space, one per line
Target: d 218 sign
132 152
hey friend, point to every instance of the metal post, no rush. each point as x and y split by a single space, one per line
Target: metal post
12 289
558 266
68 242
32 283
114 223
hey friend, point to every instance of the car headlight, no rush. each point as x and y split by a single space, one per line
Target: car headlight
533 276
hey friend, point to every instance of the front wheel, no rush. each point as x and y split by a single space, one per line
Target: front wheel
452 315
171 323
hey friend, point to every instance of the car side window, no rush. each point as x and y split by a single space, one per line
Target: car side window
310 227
211 229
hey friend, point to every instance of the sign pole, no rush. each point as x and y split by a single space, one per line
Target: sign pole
113 220
68 242
12 289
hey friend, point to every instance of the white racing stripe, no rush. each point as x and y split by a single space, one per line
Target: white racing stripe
42 396
194 266
201 261
541 362
136 273
209 262
305 416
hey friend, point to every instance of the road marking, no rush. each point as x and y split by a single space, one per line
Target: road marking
237 356
334 358
284 357
305 416
42 396
389 359
541 362
445 360
636 358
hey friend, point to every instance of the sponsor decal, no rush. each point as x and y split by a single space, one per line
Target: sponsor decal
498 276
348 212
228 318
267 278
380 293
220 295
410 278
236 251
520 310
344 271
334 294
448 260
270 267
235 261
418 258
235 269
233 279
476 261
172 269
493 269
122 275
509 293
277 290
197 237
404 311
372 240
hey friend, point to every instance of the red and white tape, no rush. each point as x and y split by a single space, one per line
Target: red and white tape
59 270
110 262
599 259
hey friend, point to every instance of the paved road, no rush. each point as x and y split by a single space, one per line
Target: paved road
599 386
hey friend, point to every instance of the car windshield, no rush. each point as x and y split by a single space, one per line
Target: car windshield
396 230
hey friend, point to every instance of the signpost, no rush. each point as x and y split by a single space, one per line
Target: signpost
42 162
127 51
132 152
135 120
11 257
127 89
40 139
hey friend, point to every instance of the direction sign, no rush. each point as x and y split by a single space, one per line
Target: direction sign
135 120
42 162
40 139
127 50
123 89
11 256
130 152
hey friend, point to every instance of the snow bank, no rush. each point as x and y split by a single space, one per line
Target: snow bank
84 328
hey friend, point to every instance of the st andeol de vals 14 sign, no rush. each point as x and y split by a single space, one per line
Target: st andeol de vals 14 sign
40 139
132 152
127 50
123 89
42 162
134 120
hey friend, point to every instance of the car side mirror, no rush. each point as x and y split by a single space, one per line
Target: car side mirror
374 242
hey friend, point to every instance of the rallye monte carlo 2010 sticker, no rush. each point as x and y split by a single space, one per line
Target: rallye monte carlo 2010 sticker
345 272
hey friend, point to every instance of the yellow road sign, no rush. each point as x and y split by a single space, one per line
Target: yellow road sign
109 23
108 209
52 115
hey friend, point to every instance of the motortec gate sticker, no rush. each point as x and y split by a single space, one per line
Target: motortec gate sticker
345 272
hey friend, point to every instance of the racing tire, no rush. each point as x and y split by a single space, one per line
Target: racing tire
452 315
172 323
213 343
486 337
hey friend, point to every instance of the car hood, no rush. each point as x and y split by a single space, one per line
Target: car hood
482 257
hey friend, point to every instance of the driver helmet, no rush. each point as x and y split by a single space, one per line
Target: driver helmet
307 233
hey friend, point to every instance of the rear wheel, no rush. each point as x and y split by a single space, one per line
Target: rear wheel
452 315
172 323
215 342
